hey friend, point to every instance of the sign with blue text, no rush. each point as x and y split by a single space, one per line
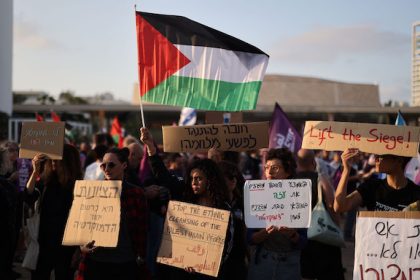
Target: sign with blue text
278 202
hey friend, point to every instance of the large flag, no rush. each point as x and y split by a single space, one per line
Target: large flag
188 116
185 63
116 132
282 133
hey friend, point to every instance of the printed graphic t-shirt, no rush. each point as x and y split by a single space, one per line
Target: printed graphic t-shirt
377 195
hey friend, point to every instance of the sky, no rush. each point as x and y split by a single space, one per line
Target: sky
89 46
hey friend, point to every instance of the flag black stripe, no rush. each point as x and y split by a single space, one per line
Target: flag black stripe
183 31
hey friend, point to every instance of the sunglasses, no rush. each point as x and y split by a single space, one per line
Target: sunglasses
106 165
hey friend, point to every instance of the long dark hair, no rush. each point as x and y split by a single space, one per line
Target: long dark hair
231 171
67 171
216 186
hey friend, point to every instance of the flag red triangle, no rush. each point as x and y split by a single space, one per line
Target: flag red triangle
158 58
55 117
116 132
38 117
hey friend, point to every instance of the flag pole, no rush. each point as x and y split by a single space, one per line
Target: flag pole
138 70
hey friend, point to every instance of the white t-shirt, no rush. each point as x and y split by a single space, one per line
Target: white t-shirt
94 172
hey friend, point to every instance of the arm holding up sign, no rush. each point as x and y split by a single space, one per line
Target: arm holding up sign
342 201
38 165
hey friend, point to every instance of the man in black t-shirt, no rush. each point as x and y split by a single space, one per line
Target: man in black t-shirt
391 194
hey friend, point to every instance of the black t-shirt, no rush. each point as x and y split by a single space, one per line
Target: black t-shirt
377 195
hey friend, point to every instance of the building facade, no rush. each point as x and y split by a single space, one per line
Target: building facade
415 62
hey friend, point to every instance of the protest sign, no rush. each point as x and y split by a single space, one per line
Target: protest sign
94 214
370 138
387 245
278 202
42 137
193 236
224 137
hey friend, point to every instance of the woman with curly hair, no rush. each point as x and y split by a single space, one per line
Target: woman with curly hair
205 186
54 181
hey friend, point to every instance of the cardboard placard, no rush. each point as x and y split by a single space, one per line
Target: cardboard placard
371 138
224 137
42 137
387 245
278 202
193 236
94 214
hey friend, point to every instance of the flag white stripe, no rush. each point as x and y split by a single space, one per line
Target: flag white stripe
220 64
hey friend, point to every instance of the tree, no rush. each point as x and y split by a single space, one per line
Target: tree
68 97
45 99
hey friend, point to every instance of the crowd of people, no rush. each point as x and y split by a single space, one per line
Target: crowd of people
150 178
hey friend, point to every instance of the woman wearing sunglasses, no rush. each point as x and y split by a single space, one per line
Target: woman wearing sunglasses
394 193
126 261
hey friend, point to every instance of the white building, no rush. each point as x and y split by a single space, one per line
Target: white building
415 58
6 45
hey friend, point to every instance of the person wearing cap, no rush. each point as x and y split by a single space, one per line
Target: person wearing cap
394 193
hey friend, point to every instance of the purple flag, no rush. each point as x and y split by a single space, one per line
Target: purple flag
145 172
282 132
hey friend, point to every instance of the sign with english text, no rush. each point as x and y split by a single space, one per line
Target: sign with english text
94 214
193 236
387 246
370 138
42 138
278 202
223 137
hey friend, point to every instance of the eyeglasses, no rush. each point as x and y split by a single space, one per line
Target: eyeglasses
275 168
108 165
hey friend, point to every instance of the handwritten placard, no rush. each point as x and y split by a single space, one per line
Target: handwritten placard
387 245
278 202
224 137
94 214
193 236
371 138
42 137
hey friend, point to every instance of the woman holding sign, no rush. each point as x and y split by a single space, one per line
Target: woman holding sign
205 186
277 254
393 193
55 181
126 260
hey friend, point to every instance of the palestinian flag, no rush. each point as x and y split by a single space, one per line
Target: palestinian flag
187 64
116 132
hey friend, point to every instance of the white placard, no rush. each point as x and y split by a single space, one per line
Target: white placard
278 202
387 248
